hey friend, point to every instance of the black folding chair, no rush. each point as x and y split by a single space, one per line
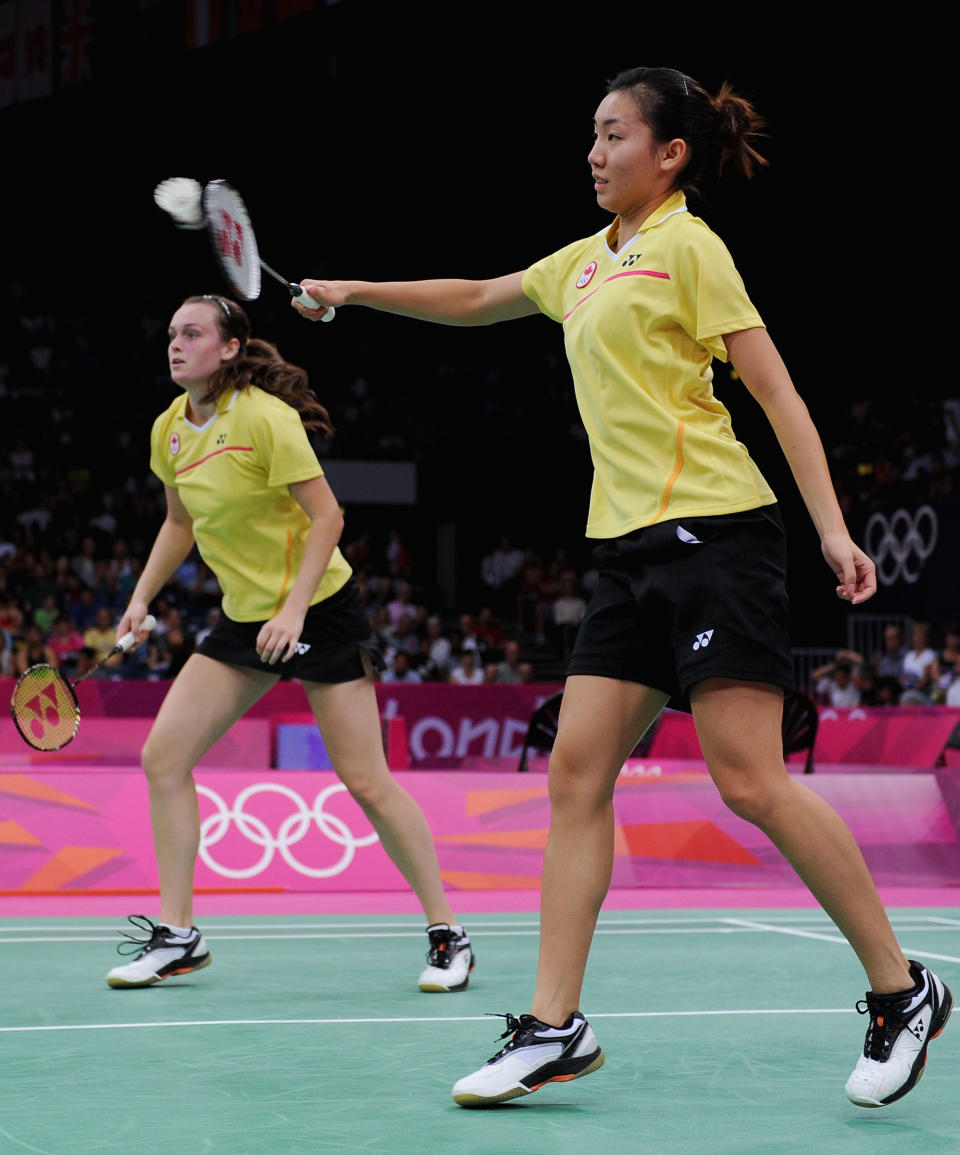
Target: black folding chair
799 730
542 731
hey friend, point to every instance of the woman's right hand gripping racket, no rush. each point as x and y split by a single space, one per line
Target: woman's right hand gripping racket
44 706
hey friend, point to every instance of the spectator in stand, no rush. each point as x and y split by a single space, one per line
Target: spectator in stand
549 589
568 611
945 672
66 642
500 572
469 639
889 664
402 605
439 648
399 562
210 620
11 616
888 690
7 665
919 666
952 697
490 674
101 636
490 635
400 669
530 576
468 671
83 612
509 671
84 564
835 682
47 614
33 651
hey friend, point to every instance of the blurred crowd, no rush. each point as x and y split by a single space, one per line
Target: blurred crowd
80 509
925 672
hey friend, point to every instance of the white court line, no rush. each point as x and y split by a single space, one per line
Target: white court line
313 935
400 1021
716 926
837 938
814 918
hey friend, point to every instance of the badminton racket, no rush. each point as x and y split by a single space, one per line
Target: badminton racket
44 704
219 209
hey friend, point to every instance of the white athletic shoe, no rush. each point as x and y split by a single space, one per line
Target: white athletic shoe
161 955
536 1054
450 959
901 1027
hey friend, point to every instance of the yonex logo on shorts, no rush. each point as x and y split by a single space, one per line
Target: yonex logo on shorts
302 647
703 640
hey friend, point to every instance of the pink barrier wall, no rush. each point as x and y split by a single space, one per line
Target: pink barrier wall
75 830
890 736
117 742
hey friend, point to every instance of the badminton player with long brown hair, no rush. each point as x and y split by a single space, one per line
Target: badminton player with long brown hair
691 604
243 482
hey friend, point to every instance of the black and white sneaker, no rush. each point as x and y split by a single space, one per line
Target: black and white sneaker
536 1054
901 1027
161 955
450 959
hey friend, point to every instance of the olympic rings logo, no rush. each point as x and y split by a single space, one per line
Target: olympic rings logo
901 545
292 830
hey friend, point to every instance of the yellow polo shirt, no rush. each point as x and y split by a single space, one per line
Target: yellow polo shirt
641 327
233 475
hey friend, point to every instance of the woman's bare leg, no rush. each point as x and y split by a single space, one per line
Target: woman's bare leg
349 721
601 721
739 726
206 698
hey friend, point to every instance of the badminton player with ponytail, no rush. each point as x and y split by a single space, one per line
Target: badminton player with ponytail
243 482
690 607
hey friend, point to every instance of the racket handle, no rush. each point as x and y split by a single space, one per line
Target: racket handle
300 294
128 641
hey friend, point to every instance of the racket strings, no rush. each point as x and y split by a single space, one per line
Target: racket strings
44 708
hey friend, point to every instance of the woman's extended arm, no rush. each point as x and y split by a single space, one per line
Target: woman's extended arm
277 640
762 370
450 302
173 544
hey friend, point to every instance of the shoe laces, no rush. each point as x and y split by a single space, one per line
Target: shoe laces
444 944
520 1028
139 946
886 1023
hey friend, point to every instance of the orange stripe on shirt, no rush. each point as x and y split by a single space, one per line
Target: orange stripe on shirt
225 449
286 574
668 489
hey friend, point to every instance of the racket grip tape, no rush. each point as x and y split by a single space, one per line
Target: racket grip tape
128 641
300 294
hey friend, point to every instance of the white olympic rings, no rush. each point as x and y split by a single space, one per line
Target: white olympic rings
292 830
892 544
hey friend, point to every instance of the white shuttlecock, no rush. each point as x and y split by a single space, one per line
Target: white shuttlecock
180 196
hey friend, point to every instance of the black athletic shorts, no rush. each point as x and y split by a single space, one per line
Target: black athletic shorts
689 599
336 644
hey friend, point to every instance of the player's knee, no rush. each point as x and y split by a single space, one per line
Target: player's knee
753 802
162 765
577 784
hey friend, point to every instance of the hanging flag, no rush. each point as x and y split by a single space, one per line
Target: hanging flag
76 41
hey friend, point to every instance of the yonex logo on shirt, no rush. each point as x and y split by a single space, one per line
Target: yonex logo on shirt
703 640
